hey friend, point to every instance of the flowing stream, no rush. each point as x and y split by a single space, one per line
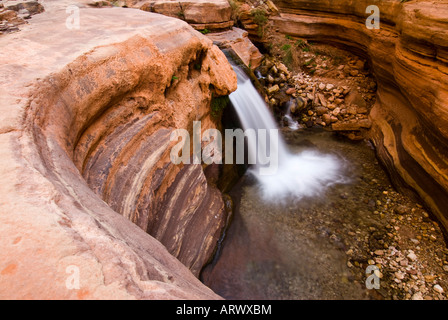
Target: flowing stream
289 174
289 233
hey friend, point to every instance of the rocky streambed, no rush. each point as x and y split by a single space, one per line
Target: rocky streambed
320 248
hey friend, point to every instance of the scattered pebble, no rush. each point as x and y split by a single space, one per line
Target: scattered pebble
412 256
417 296
438 288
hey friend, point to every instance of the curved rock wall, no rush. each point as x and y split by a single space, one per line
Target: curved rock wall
408 56
85 149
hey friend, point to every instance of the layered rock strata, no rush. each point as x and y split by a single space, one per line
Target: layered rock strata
408 56
238 42
254 18
86 118
201 14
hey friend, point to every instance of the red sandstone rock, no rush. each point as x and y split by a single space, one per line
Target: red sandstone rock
352 125
202 14
84 134
408 55
291 91
238 41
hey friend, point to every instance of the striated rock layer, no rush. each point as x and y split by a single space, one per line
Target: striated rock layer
85 123
201 14
409 58
237 40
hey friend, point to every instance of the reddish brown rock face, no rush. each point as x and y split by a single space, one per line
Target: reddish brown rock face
201 14
85 154
238 42
124 153
408 55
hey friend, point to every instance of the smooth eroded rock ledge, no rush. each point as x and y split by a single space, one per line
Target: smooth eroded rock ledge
85 122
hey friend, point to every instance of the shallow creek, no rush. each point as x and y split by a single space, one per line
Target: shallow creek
296 248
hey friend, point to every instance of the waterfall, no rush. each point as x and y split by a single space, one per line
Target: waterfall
292 124
298 175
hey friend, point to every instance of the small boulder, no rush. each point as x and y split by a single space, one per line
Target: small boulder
412 256
336 111
438 288
417 296
360 64
352 110
290 91
363 110
354 72
272 90
402 210
321 110
355 98
326 118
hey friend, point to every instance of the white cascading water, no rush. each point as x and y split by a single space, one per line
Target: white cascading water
292 124
298 175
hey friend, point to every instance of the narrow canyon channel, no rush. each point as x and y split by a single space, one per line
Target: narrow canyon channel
342 189
294 249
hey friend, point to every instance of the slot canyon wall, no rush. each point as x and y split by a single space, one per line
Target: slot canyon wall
409 58
88 188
